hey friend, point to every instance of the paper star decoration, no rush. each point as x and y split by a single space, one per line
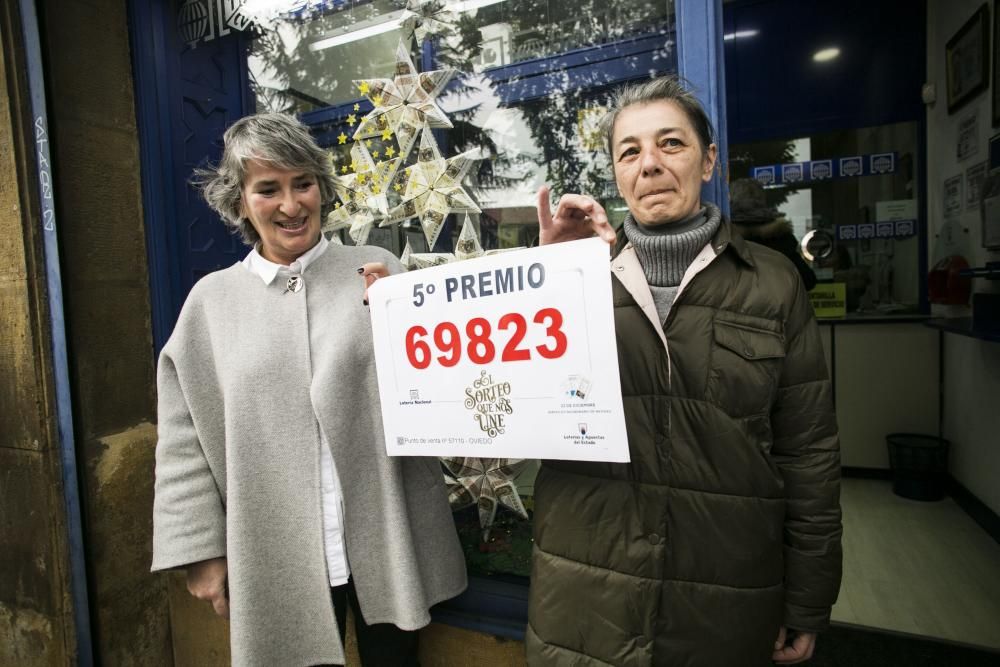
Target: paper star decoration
364 204
467 247
427 17
486 483
433 188
405 103
424 260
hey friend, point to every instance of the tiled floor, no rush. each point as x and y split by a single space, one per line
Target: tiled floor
918 567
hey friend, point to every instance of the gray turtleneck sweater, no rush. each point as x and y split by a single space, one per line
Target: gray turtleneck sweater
665 251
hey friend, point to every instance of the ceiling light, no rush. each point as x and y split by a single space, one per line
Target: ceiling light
740 34
469 5
360 30
826 55
386 23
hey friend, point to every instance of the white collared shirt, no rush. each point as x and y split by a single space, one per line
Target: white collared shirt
332 501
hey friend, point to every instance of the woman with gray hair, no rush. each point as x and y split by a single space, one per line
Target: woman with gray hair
719 543
273 487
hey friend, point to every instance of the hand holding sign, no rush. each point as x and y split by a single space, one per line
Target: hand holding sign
576 217
505 356
371 272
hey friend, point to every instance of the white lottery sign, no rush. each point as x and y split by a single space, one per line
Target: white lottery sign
507 356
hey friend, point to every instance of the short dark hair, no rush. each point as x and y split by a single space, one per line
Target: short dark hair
669 88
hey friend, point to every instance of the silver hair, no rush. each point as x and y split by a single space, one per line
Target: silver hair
277 139
669 88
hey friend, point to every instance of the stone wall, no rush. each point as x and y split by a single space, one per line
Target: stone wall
95 155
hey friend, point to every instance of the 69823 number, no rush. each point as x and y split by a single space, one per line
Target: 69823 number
477 343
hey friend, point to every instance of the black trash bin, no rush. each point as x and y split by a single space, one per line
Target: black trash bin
919 465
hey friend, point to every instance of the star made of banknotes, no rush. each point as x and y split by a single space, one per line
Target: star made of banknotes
363 201
424 18
433 188
467 247
423 260
403 104
486 483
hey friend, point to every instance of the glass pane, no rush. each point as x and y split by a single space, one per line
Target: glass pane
305 62
541 76
519 30
861 215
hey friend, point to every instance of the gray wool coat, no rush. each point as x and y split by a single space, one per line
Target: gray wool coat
242 381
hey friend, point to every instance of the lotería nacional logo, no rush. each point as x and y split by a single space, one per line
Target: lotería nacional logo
489 399
205 20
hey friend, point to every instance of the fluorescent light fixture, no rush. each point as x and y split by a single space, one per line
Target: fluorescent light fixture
469 5
386 23
826 55
740 34
262 7
361 30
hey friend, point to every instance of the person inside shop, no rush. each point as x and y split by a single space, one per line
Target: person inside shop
273 488
760 223
720 542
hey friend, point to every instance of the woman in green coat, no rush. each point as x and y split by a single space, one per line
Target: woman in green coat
719 543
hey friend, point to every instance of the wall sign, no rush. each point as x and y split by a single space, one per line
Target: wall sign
887 229
968 137
952 195
829 300
974 176
797 173
205 20
894 219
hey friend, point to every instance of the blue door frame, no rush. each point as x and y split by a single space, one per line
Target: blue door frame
701 60
185 98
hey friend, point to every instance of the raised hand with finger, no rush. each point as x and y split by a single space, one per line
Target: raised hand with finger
371 272
576 217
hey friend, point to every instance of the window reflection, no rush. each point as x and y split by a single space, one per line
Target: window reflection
517 30
865 232
305 62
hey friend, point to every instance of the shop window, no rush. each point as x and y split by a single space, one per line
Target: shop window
534 80
521 30
305 59
853 200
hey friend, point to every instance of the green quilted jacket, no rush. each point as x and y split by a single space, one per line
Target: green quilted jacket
726 524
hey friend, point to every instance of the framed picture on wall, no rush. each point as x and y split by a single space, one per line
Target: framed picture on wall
967 60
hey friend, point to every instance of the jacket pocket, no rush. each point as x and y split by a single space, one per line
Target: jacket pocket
744 369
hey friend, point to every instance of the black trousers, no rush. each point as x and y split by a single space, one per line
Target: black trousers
380 645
